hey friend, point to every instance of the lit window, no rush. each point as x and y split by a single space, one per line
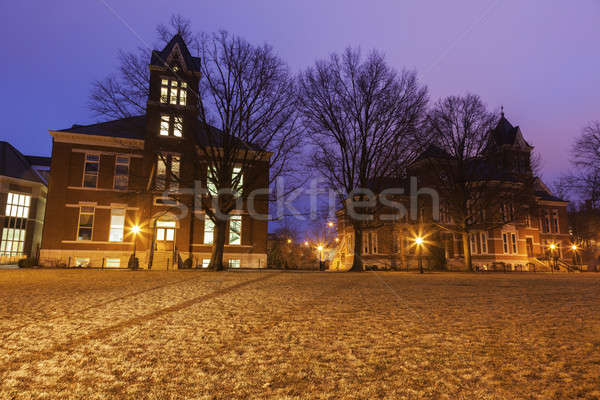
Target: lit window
86 223
112 263
117 224
237 179
178 126
90 170
478 243
370 242
205 262
211 183
161 172
173 92
12 242
17 205
121 173
82 262
209 228
235 229
165 231
509 243
164 124
167 171
234 263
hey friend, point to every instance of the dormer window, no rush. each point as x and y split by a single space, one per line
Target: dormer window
173 92
171 125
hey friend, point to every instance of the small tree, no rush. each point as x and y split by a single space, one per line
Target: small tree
361 116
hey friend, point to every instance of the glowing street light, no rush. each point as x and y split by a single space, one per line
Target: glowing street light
554 258
574 247
135 230
419 242
289 240
306 242
320 250
330 224
337 239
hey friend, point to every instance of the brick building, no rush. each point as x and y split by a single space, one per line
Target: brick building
23 191
537 240
110 177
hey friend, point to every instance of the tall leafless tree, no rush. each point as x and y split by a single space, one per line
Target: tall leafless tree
468 175
585 157
249 95
247 113
361 116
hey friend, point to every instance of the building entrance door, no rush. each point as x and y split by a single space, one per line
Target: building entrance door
165 235
529 244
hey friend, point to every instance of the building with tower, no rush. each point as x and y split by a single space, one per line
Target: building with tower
124 185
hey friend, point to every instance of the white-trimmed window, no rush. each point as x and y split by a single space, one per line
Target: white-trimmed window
209 230
112 263
555 225
237 180
86 223
509 243
479 243
234 263
235 229
205 262
165 231
173 92
546 221
17 205
165 122
121 172
12 242
90 170
370 242
117 224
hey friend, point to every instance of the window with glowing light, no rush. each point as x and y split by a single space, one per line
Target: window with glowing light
234 263
209 228
235 229
165 231
17 205
117 224
173 92
12 242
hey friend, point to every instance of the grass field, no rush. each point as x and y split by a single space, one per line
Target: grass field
169 335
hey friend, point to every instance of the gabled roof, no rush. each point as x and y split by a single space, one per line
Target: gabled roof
127 128
433 151
544 193
15 165
506 134
159 58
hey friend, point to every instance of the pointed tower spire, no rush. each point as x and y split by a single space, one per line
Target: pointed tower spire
502 111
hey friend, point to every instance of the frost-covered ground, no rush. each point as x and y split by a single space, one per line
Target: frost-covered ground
169 335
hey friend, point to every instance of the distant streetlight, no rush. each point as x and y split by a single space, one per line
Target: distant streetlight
289 240
419 242
306 243
574 247
320 250
330 224
337 239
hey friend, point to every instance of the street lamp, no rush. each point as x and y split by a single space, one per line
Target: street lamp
419 242
575 254
135 230
320 250
289 240
552 248
306 242
330 224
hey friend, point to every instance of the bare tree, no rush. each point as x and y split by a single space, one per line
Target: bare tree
249 95
479 186
361 116
124 94
585 157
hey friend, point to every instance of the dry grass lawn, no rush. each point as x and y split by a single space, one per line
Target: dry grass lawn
169 335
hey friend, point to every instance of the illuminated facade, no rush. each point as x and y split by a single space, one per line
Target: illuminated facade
536 241
110 179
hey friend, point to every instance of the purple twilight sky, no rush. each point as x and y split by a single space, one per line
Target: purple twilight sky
539 59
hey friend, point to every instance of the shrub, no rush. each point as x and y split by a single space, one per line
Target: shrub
133 263
187 264
26 262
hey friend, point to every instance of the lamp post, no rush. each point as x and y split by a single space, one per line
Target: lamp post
419 244
575 255
553 259
320 250
135 230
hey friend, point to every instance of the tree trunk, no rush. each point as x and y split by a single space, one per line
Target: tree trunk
216 259
357 264
467 251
